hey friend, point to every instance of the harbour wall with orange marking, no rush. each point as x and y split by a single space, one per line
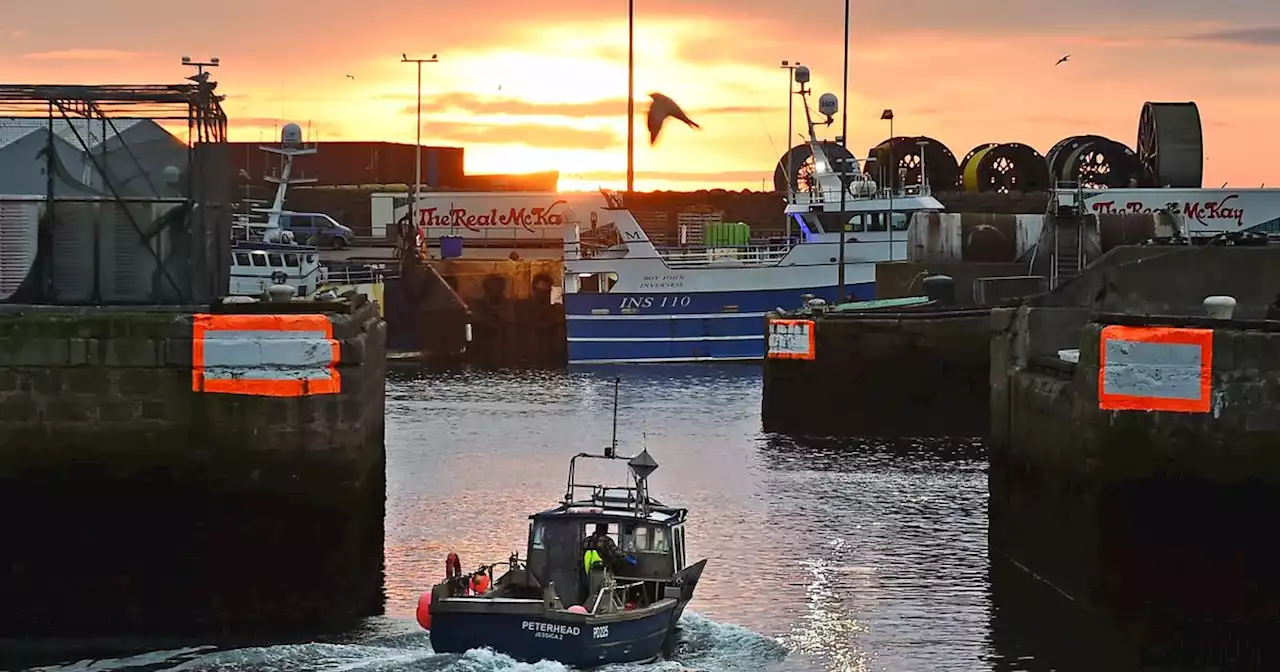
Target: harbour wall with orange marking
171 470
1134 459
883 373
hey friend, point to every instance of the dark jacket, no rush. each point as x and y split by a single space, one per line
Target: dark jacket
608 550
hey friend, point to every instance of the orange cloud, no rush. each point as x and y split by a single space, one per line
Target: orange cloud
1267 37
540 136
83 55
480 105
749 177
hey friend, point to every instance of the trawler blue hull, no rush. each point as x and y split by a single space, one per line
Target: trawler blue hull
575 640
687 327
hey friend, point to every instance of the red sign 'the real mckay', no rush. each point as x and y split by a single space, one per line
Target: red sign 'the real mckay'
1226 209
525 218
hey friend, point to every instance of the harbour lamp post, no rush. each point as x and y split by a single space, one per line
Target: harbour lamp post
846 178
887 115
844 95
924 174
417 155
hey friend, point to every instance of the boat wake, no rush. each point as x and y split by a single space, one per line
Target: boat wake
704 646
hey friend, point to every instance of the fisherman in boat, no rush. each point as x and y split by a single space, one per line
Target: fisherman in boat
599 552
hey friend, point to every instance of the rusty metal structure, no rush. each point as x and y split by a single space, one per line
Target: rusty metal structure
127 213
1169 153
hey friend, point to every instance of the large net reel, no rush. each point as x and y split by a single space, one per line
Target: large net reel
1094 162
1004 168
802 169
908 155
1171 145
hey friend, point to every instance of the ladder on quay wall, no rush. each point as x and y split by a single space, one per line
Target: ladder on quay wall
1066 216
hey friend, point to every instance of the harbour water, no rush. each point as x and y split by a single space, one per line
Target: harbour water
822 556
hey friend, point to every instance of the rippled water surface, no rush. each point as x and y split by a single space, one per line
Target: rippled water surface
822 556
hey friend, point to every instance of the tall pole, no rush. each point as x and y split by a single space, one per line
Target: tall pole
631 95
893 175
844 96
844 224
791 170
417 153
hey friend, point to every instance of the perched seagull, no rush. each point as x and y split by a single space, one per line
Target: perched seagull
1062 60
661 108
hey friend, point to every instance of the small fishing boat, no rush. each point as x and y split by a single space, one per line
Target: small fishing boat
558 603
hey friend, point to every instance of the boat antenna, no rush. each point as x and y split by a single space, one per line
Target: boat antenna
612 451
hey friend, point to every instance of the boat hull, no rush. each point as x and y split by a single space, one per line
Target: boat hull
578 640
686 327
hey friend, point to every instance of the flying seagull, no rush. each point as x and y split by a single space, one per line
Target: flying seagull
661 108
350 76
1062 60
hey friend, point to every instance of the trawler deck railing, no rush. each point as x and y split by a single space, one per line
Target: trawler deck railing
694 256
747 255
605 497
357 275
613 591
832 195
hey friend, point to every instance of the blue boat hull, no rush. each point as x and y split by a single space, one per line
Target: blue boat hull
688 327
570 639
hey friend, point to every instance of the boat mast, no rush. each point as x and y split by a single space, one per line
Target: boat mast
612 450
291 146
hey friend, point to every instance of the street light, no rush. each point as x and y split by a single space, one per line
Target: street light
887 115
844 95
924 174
846 178
417 155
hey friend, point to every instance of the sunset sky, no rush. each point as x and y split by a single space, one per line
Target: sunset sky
528 86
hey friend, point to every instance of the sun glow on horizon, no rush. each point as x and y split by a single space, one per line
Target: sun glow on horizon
549 92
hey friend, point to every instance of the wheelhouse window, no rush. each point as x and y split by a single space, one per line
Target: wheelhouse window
259 259
596 283
830 222
901 220
641 538
242 258
536 533
678 534
291 260
275 260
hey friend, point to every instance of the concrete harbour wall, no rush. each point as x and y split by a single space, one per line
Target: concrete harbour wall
899 374
515 309
179 470
1133 480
